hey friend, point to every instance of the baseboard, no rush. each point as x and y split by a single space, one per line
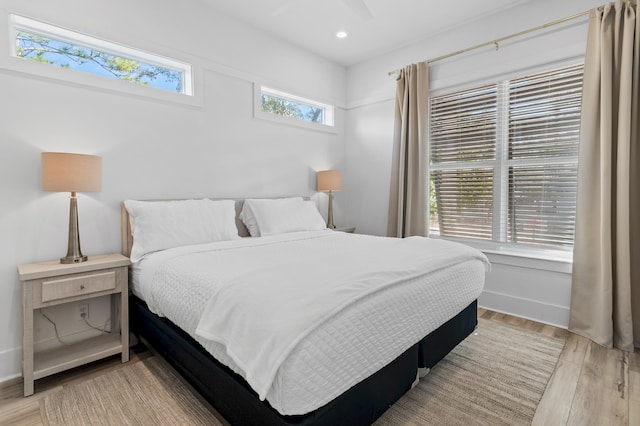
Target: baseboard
534 310
10 364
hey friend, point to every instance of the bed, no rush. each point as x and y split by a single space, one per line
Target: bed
348 347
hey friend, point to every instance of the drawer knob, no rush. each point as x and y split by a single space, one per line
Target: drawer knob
82 287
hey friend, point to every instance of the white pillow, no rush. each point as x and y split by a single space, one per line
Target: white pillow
159 225
285 215
247 217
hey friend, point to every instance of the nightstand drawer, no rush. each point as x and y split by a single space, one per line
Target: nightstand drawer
76 286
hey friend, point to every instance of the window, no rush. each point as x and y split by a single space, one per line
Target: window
288 106
44 43
504 160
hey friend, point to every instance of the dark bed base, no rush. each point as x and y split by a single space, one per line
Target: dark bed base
238 403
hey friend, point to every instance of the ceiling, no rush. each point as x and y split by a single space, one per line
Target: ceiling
384 25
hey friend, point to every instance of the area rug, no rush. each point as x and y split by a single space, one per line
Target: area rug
495 377
144 393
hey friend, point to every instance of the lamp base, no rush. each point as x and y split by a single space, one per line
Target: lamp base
74 253
330 223
74 259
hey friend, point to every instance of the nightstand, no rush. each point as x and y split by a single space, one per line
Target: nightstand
348 229
52 283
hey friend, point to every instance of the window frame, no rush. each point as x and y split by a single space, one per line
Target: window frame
191 93
501 164
328 125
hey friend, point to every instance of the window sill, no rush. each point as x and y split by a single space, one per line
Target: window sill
287 121
545 260
530 261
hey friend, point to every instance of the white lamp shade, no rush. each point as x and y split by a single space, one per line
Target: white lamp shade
64 172
329 180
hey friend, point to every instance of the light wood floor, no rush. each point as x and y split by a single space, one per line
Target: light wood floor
591 385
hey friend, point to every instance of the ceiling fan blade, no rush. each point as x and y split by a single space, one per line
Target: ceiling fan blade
360 8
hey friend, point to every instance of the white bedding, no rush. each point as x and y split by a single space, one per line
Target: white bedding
333 335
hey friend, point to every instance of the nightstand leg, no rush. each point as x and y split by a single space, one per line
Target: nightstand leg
124 324
27 339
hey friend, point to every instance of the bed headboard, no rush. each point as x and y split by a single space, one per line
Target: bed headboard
127 236
125 231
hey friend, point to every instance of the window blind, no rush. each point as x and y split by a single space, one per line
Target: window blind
463 125
544 125
464 201
503 160
544 114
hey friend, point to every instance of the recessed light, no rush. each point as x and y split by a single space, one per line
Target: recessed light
341 34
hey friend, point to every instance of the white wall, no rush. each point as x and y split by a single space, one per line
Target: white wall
534 289
150 149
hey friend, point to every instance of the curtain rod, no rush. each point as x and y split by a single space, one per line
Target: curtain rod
498 40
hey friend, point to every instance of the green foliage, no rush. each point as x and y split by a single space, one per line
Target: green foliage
287 108
279 106
433 203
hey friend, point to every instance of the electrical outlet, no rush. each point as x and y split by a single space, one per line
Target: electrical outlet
83 311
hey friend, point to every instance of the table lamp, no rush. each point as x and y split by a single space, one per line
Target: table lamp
64 172
329 181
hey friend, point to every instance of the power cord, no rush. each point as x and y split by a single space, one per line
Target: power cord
103 329
84 317
55 327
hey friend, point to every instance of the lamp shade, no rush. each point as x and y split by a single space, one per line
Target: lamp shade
329 180
64 172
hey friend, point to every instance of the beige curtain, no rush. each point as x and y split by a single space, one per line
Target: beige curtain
605 293
408 193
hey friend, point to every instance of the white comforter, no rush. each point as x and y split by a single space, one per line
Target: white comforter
265 297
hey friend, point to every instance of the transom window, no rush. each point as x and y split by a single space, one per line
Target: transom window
295 107
48 44
504 159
